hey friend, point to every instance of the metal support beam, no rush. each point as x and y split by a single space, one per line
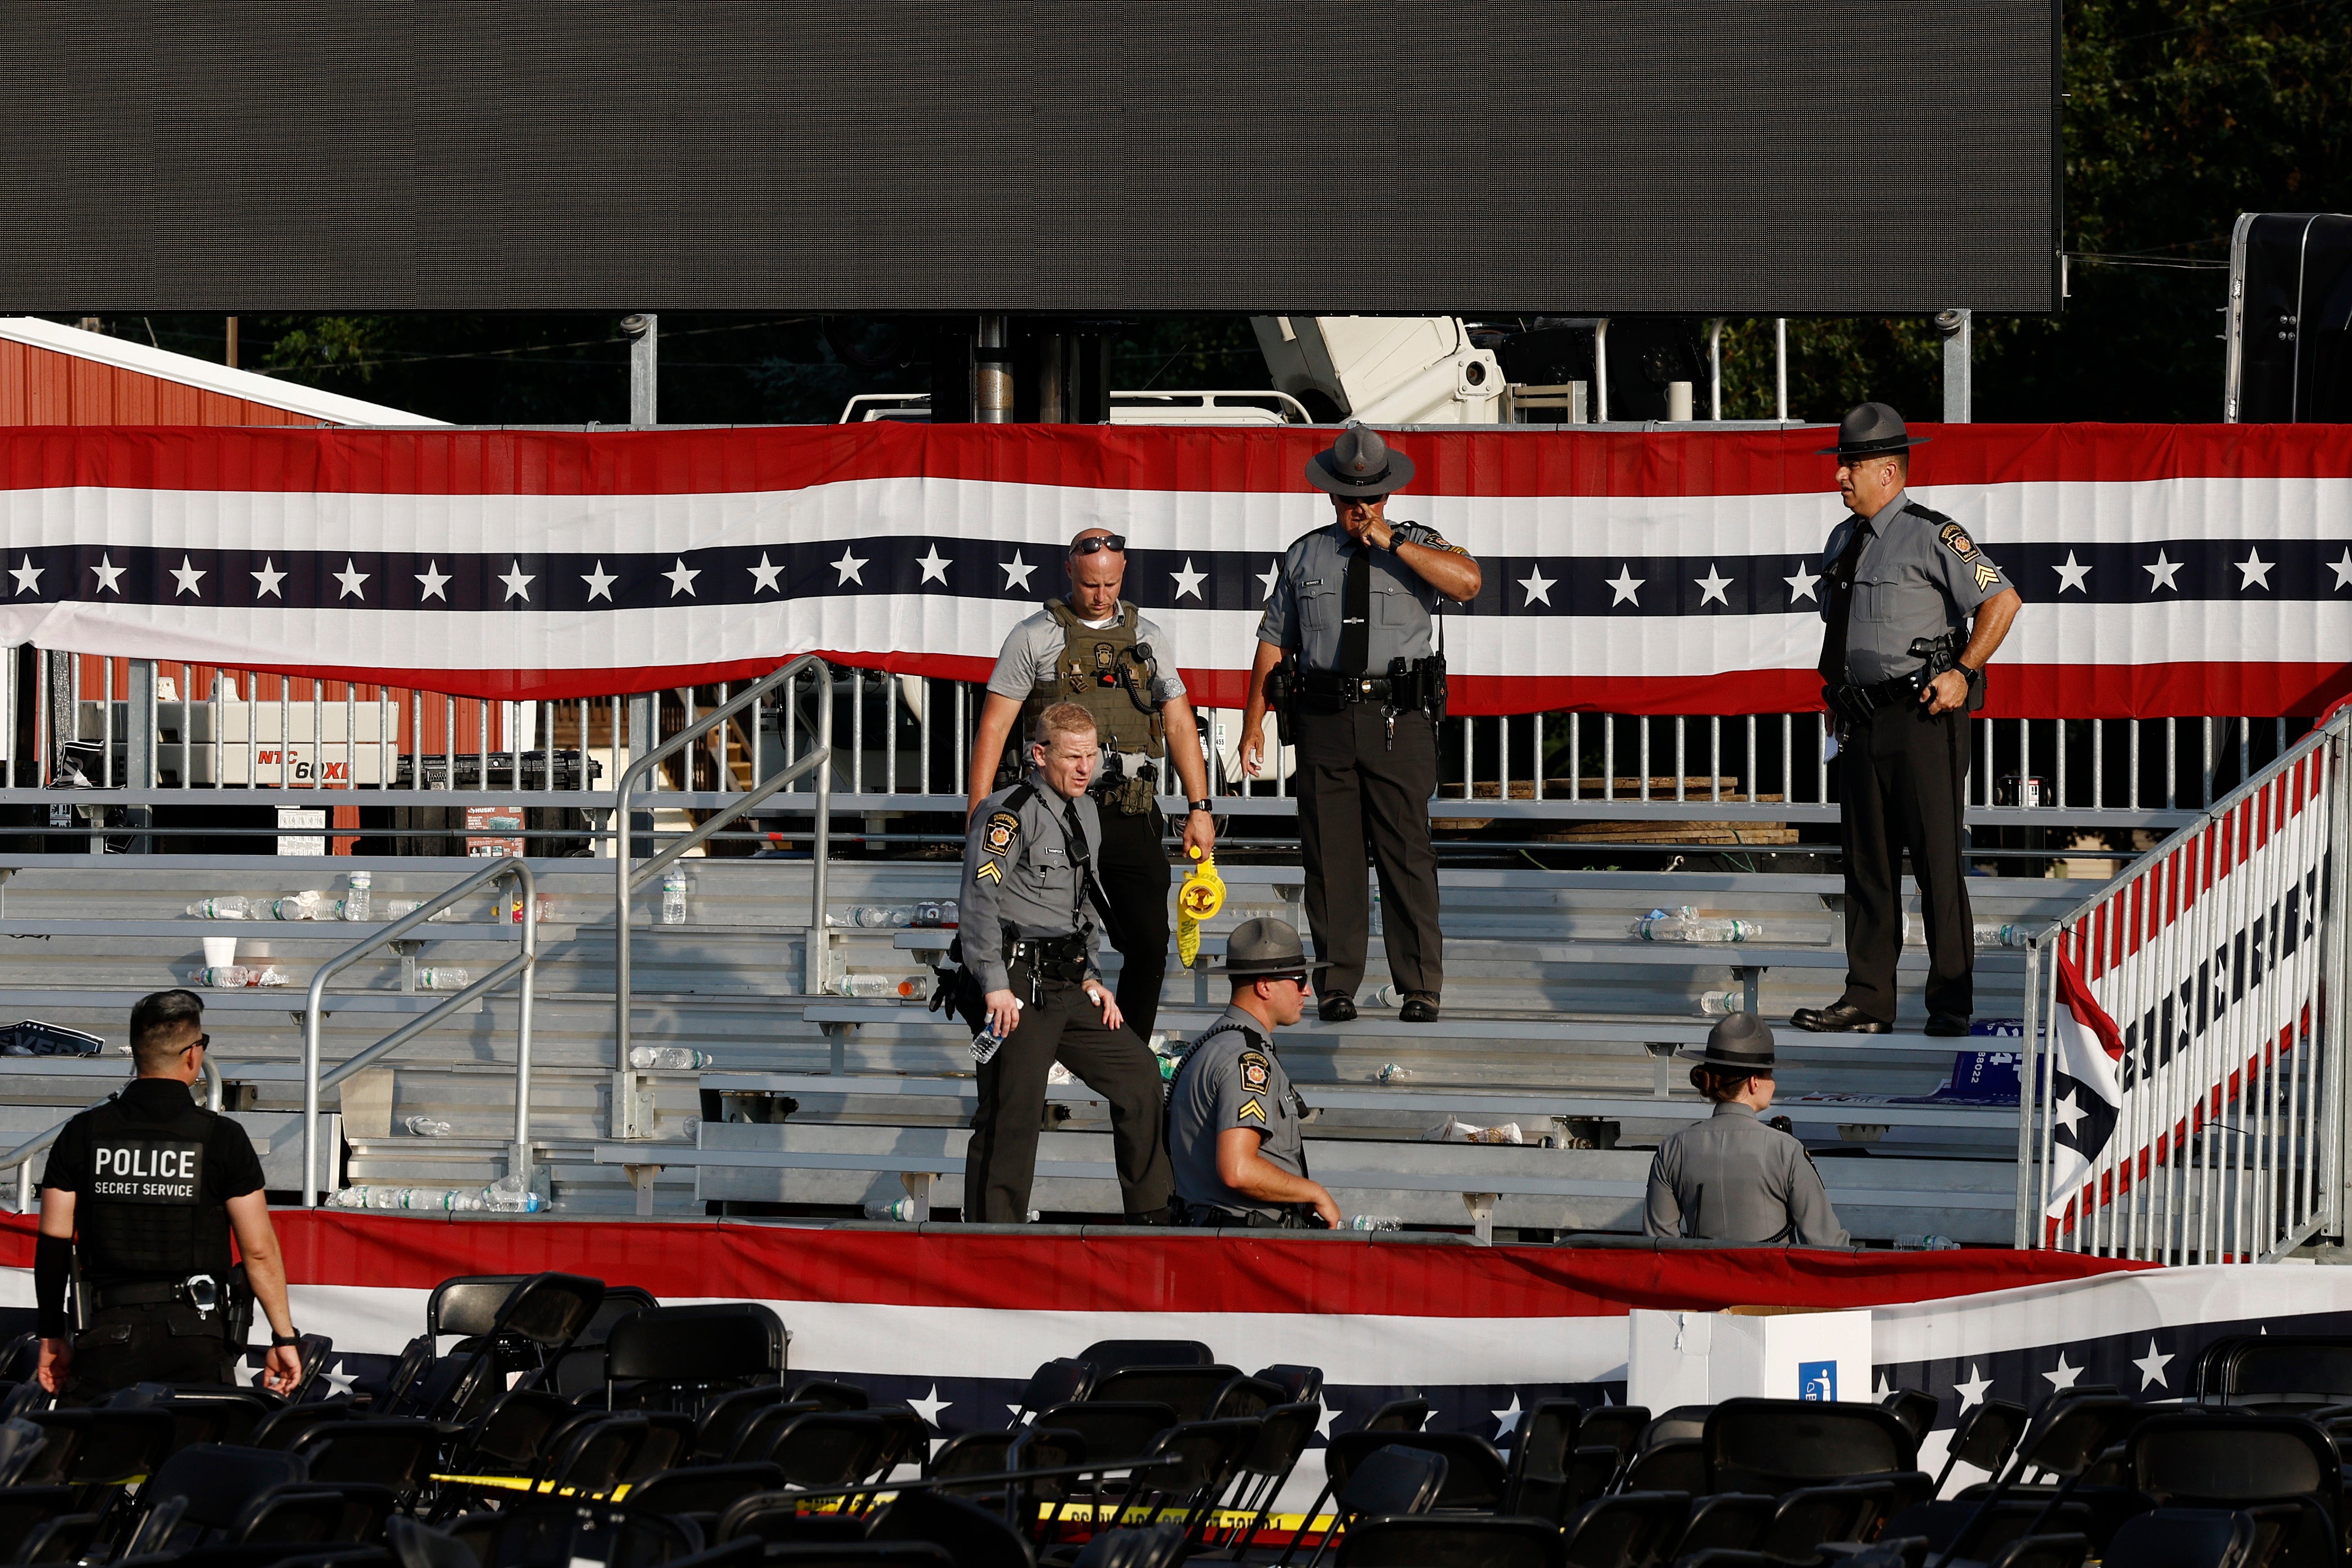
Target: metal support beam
1601 371
643 333
992 373
1780 367
1715 367
1957 376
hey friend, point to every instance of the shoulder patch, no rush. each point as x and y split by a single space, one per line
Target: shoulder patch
1986 576
1428 537
1956 539
1003 828
1256 1074
989 870
1251 1110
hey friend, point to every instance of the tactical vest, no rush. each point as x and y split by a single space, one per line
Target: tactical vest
142 1213
1109 674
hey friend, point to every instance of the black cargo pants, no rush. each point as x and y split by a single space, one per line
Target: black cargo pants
1000 1162
1358 790
161 1341
1904 777
1132 864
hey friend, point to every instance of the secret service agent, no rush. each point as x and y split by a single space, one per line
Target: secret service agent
1902 669
1094 649
1355 602
1030 942
1232 1116
146 1190
1731 1177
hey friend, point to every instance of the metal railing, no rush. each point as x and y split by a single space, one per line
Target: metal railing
142 733
627 879
2217 957
525 964
21 1156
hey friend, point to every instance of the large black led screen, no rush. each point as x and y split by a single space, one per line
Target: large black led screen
1382 156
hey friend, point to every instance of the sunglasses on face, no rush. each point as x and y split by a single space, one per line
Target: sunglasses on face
1298 980
1114 542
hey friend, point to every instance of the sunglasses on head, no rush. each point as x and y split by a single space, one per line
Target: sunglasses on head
1117 542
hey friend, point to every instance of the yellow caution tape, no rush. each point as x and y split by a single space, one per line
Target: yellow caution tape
1198 899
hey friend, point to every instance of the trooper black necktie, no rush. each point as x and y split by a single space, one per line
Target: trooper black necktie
1356 612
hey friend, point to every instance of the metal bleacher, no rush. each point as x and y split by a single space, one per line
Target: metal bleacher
1555 1020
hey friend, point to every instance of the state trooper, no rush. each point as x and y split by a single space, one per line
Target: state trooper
1731 1177
1348 632
1232 1116
145 1190
1903 669
1096 649
1029 943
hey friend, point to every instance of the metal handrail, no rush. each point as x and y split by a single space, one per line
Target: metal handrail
525 964
626 879
21 1156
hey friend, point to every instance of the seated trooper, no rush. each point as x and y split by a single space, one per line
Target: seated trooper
1731 1177
1233 1117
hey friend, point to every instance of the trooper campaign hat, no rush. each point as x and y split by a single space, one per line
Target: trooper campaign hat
1740 1043
1262 946
1359 464
1872 430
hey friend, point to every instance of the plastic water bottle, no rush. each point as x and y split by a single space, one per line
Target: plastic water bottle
510 1195
426 1127
442 978
1722 1002
2007 934
865 986
911 990
1377 925
230 907
988 1042
670 1058
904 1208
1686 925
265 977
225 976
395 908
303 906
674 899
1376 1222
949 915
927 914
1390 995
873 916
355 901
1393 1073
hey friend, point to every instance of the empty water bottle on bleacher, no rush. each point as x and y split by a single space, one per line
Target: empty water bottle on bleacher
442 978
674 899
230 907
1686 924
902 1209
1721 1002
673 1058
866 986
356 901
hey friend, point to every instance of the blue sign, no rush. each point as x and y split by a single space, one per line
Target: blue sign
1817 1380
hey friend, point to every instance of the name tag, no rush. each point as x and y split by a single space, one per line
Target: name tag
168 1170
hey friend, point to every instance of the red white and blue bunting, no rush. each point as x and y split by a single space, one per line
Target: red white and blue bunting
2167 570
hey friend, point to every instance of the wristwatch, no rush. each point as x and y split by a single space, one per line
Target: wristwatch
1199 805
283 1341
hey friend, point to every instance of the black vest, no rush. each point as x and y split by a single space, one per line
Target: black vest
143 1213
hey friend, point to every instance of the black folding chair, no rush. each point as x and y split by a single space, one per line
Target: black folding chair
1109 1355
1296 1383
1244 1395
539 1319
1190 1391
1915 1410
1684 1423
2043 1552
396 1452
2188 1537
1385 1481
971 1536
2064 1440
1778 1445
280 1430
1281 1436
1937 1523
677 1357
2274 1371
1726 1521
1540 1446
1431 1541
2235 1461
1139 1546
1984 1439
1627 1530
1809 1517
724 1418
1061 1382
700 1490
1677 1464
196 1496
1618 1425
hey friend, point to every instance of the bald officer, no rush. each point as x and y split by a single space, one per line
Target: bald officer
1731 1177
1233 1117
1030 942
1902 667
1354 602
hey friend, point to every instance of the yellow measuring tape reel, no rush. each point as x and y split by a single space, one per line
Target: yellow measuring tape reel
1198 899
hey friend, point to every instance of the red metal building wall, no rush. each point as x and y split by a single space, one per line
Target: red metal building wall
40 386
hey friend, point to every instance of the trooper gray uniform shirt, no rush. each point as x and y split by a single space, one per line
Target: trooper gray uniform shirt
1306 604
1226 1083
1732 1178
1918 577
1021 880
